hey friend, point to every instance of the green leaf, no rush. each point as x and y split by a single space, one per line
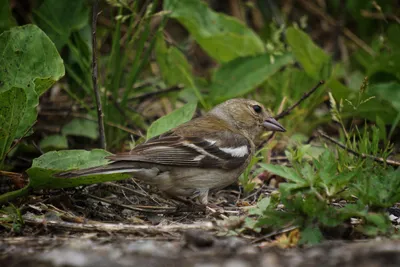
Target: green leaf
393 35
327 169
81 127
375 107
379 106
314 60
375 223
223 37
12 108
29 61
262 206
307 171
285 172
171 120
378 219
338 89
6 18
311 235
43 168
292 83
174 67
54 142
251 223
242 75
59 18
387 91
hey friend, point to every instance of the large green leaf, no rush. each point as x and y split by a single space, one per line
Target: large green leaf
174 67
12 107
388 91
221 36
242 75
81 127
59 18
314 60
43 168
290 83
29 61
172 120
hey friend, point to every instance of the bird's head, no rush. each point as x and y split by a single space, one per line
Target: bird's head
248 116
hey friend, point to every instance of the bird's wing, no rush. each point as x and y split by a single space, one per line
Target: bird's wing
226 149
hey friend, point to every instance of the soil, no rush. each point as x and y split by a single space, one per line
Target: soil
129 224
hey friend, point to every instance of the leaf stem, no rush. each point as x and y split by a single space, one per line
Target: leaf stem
9 196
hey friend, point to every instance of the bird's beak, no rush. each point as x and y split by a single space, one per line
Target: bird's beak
272 125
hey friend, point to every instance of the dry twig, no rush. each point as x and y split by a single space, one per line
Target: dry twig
119 228
141 208
274 233
380 16
362 155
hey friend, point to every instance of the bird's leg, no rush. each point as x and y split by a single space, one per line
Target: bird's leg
203 196
189 204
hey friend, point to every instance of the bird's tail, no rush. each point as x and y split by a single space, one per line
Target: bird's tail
116 167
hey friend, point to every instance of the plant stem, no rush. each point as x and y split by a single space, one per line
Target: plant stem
100 114
9 196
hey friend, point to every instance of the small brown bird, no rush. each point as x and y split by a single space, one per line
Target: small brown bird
209 152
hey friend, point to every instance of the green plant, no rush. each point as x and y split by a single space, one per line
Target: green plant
246 178
314 186
32 64
274 64
11 218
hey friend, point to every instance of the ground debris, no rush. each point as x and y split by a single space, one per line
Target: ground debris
123 251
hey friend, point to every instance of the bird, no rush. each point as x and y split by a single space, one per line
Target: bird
208 152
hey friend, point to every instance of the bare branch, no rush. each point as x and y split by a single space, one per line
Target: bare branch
119 228
304 97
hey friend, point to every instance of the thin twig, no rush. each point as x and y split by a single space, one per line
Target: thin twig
304 97
381 16
158 210
144 191
277 232
100 114
362 155
136 192
122 187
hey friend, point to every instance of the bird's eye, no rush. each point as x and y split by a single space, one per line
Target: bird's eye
257 108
